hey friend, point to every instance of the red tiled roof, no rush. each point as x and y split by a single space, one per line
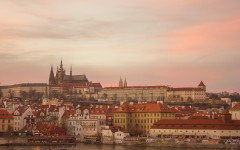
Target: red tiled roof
43 128
130 87
145 107
4 114
68 113
201 84
95 85
186 89
197 123
98 110
67 103
21 110
236 107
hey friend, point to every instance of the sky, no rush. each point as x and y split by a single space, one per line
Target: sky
149 42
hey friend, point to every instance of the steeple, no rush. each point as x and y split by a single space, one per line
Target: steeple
125 83
51 77
61 66
120 82
71 73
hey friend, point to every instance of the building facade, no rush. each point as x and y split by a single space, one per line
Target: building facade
141 116
235 111
134 93
187 94
6 121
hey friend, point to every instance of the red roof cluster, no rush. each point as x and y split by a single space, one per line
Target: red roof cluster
46 129
68 113
98 110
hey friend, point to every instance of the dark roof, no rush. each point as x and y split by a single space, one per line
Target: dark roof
76 77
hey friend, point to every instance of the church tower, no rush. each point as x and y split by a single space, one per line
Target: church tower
71 74
60 74
51 77
120 82
125 83
202 86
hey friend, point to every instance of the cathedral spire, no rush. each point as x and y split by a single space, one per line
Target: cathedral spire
51 77
125 83
71 73
120 82
61 66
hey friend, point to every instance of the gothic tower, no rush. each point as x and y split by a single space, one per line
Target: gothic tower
125 83
120 82
51 77
60 74
71 74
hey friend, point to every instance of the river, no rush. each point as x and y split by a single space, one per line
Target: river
81 146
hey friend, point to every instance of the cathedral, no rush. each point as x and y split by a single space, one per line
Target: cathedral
62 78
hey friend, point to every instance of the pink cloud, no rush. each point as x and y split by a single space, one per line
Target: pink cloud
207 38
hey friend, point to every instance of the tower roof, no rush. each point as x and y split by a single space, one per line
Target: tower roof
201 84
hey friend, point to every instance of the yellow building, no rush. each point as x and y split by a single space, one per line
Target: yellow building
141 116
6 121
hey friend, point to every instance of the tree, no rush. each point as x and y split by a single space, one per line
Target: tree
11 93
135 130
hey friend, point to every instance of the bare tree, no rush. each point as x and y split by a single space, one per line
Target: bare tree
11 93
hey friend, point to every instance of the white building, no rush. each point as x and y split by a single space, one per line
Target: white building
235 111
220 128
19 117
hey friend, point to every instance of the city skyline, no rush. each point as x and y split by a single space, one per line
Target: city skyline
177 43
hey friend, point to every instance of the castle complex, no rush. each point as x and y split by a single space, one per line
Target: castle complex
72 86
61 77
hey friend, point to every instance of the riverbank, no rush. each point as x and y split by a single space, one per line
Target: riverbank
184 145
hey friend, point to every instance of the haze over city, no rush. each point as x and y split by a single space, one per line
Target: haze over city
150 42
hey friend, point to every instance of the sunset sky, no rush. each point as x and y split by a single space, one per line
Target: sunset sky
150 42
